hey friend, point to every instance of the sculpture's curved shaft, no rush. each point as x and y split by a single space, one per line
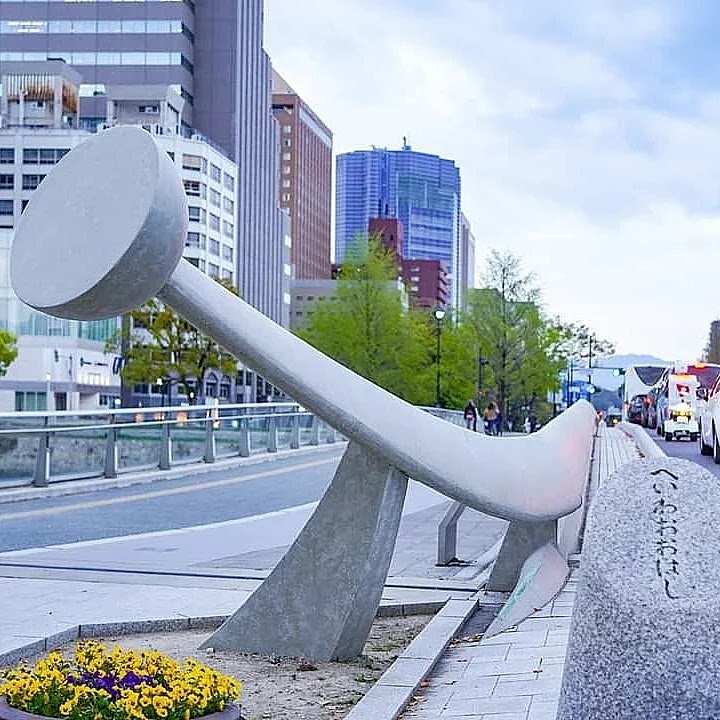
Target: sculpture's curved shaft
515 478
119 190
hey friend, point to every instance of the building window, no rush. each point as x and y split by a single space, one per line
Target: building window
7 182
213 270
193 187
194 162
196 240
227 229
44 156
287 142
215 172
30 182
6 207
214 247
287 156
227 253
214 196
7 156
229 182
227 275
228 205
286 197
286 183
197 214
214 222
149 109
30 401
287 129
286 169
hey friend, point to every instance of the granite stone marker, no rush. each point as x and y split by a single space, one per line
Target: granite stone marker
645 637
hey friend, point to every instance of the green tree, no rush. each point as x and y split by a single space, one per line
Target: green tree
159 343
8 350
365 327
513 336
577 341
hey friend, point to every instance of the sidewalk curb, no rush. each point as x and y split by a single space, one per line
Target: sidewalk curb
645 444
390 695
149 476
203 622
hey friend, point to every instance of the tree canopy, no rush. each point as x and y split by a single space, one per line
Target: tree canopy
8 350
160 344
365 326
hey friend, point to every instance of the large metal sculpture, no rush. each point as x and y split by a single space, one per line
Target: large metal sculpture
105 232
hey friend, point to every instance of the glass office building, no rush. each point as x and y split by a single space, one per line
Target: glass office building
421 190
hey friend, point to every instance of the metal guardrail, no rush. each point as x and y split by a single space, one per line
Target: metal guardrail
248 423
213 431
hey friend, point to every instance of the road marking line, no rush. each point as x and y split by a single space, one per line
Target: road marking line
90 504
132 537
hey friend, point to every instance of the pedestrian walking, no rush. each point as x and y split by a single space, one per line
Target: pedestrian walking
532 420
490 418
470 414
499 422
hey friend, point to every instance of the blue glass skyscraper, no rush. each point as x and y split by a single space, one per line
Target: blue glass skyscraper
421 190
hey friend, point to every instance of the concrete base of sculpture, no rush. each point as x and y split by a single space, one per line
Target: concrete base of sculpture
321 599
521 540
644 639
542 577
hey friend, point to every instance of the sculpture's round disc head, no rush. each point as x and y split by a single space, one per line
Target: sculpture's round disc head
104 231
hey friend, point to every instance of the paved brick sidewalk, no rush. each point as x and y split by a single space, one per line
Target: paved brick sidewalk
515 675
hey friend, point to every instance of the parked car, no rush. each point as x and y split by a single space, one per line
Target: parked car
635 409
709 421
613 416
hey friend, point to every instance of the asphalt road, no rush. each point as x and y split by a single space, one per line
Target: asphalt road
686 450
167 504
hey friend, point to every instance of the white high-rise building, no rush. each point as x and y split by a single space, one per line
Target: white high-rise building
62 364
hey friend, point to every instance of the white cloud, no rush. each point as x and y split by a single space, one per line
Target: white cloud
566 155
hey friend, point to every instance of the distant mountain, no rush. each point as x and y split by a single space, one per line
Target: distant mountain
606 379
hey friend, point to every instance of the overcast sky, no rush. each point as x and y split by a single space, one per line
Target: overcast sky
587 133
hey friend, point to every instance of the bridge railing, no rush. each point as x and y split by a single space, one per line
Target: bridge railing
42 447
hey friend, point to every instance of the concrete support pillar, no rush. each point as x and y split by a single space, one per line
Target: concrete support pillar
165 447
320 600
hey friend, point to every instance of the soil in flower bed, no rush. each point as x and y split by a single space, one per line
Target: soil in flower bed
291 688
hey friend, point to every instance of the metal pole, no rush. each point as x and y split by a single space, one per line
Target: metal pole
437 375
480 374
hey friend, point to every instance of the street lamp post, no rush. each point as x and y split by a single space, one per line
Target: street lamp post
482 362
161 386
439 315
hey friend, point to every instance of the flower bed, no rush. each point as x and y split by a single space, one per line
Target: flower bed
97 684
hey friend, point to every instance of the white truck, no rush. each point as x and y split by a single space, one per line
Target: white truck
681 420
